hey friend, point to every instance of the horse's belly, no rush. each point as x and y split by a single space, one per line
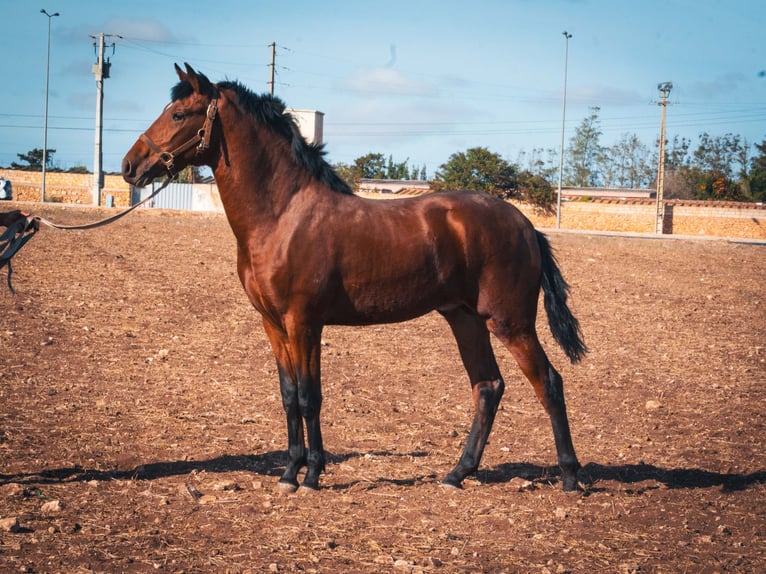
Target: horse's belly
391 307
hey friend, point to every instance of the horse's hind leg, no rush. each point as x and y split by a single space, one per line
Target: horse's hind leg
549 388
486 386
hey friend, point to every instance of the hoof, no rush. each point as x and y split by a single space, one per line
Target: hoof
286 487
307 490
451 484
570 485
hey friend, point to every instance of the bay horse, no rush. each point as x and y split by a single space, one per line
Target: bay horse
310 253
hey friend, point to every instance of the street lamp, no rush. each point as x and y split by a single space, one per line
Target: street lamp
563 124
45 119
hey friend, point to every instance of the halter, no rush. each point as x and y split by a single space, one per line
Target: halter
201 139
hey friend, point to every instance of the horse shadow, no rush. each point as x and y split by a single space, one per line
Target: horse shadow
593 476
269 464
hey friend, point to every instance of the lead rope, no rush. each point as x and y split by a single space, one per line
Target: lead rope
18 233
13 239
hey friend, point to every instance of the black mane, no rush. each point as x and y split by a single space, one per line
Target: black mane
271 111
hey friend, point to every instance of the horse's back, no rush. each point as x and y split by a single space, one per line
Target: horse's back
491 230
401 258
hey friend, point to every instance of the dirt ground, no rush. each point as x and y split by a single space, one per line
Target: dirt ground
141 428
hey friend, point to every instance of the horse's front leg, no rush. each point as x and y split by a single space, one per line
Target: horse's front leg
297 351
296 449
310 402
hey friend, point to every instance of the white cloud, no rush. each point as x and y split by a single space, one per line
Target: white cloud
721 86
387 82
602 95
146 30
141 30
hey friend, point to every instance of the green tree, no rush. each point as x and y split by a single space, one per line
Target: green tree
585 153
679 176
537 190
477 169
418 173
677 153
34 160
397 170
189 174
370 166
715 165
348 174
718 168
757 176
541 162
719 154
627 163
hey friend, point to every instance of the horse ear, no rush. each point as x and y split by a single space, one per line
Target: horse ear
199 82
180 72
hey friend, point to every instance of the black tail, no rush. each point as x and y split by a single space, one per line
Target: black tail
564 325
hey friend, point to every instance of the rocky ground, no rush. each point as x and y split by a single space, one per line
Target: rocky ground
141 428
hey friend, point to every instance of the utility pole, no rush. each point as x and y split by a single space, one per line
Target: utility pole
664 89
101 71
567 36
45 120
272 66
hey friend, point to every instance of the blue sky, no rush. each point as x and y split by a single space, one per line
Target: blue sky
417 80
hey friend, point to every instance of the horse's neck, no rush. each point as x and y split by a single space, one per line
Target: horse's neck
256 182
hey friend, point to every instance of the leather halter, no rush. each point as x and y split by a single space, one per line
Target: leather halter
201 139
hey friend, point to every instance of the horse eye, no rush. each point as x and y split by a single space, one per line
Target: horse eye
178 116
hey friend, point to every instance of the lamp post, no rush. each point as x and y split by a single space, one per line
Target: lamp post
567 35
45 118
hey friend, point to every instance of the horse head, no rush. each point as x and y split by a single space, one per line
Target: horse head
180 136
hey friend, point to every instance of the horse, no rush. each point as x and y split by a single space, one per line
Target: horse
311 253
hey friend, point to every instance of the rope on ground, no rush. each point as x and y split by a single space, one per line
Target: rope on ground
19 232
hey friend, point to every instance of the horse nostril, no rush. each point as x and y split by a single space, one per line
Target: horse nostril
127 168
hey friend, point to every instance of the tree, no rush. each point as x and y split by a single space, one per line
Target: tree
370 166
757 176
348 174
541 162
714 167
679 179
397 170
717 169
677 153
418 173
718 154
375 166
627 164
189 174
537 190
33 159
477 169
585 153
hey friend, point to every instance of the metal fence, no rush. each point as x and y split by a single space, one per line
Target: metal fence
174 196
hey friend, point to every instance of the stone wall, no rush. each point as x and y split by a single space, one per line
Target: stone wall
60 187
703 218
718 218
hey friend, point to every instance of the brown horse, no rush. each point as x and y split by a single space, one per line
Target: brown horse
311 253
